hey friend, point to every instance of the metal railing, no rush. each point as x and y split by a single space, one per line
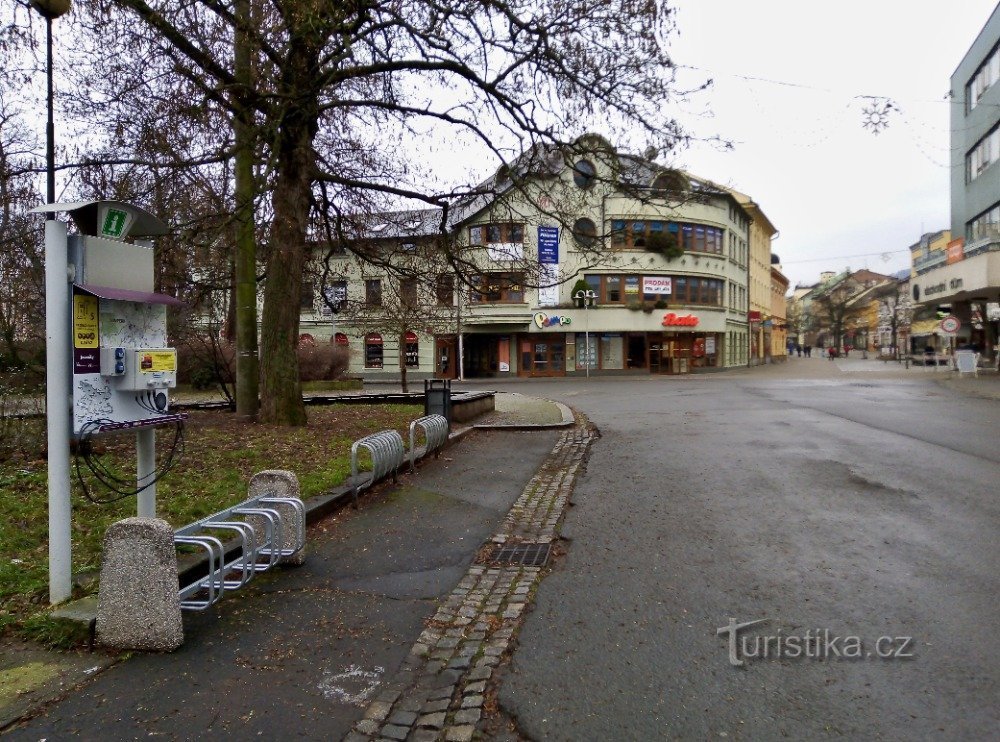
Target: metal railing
435 429
257 526
387 453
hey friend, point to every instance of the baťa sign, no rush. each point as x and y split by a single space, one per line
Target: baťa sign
674 320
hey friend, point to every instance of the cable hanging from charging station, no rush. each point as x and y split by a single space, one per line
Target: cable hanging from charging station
122 487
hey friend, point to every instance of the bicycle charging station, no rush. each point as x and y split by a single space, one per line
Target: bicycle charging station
108 365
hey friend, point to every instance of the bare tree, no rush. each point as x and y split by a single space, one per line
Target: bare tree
333 80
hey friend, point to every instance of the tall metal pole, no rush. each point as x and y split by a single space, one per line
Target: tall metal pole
587 297
57 407
57 352
50 127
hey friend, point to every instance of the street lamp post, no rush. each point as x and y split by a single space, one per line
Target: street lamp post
57 363
587 299
50 9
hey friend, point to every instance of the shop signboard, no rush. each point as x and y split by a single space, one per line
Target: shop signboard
548 245
710 345
656 285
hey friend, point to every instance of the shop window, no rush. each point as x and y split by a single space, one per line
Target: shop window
444 290
586 355
373 350
498 288
373 292
412 350
612 355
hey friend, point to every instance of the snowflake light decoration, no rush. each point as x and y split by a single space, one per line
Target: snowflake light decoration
875 114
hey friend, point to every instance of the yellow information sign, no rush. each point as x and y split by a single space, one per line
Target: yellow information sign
155 361
84 321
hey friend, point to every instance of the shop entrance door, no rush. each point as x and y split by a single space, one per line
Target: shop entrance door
543 357
636 357
446 358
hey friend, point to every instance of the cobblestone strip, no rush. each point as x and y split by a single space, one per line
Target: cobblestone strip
440 691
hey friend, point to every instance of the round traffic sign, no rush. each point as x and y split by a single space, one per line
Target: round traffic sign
950 325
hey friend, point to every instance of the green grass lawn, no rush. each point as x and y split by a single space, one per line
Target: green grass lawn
212 472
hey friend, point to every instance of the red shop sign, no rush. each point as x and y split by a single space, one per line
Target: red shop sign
673 320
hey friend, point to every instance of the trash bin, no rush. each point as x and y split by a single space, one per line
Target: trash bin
437 397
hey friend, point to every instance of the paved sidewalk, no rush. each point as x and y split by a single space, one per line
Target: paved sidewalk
302 650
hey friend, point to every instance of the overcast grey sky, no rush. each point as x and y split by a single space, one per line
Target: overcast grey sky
831 187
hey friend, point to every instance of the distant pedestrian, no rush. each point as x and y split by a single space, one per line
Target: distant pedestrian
798 350
832 352
809 350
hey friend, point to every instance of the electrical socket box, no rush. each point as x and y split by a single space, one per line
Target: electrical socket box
113 361
140 369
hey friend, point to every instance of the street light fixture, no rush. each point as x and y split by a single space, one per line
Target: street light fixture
587 299
50 9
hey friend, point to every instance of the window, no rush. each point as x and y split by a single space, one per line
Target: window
634 233
585 231
373 350
408 292
307 297
498 288
373 292
984 154
487 234
701 238
615 289
986 77
444 290
584 173
412 350
334 298
986 224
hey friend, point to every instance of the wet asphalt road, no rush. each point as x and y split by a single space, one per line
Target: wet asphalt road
819 500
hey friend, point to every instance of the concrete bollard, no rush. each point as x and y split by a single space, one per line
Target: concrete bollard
281 483
138 605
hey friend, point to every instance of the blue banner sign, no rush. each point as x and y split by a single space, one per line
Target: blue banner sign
548 245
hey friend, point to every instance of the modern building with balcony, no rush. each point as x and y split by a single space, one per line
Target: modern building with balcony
592 262
967 276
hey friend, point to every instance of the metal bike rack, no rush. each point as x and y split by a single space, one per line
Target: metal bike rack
435 429
257 525
387 452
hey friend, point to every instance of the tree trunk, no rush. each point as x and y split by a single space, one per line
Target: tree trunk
247 363
281 388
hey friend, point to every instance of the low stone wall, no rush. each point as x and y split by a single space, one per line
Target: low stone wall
469 406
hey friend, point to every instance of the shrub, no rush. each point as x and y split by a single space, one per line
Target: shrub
322 362
665 244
